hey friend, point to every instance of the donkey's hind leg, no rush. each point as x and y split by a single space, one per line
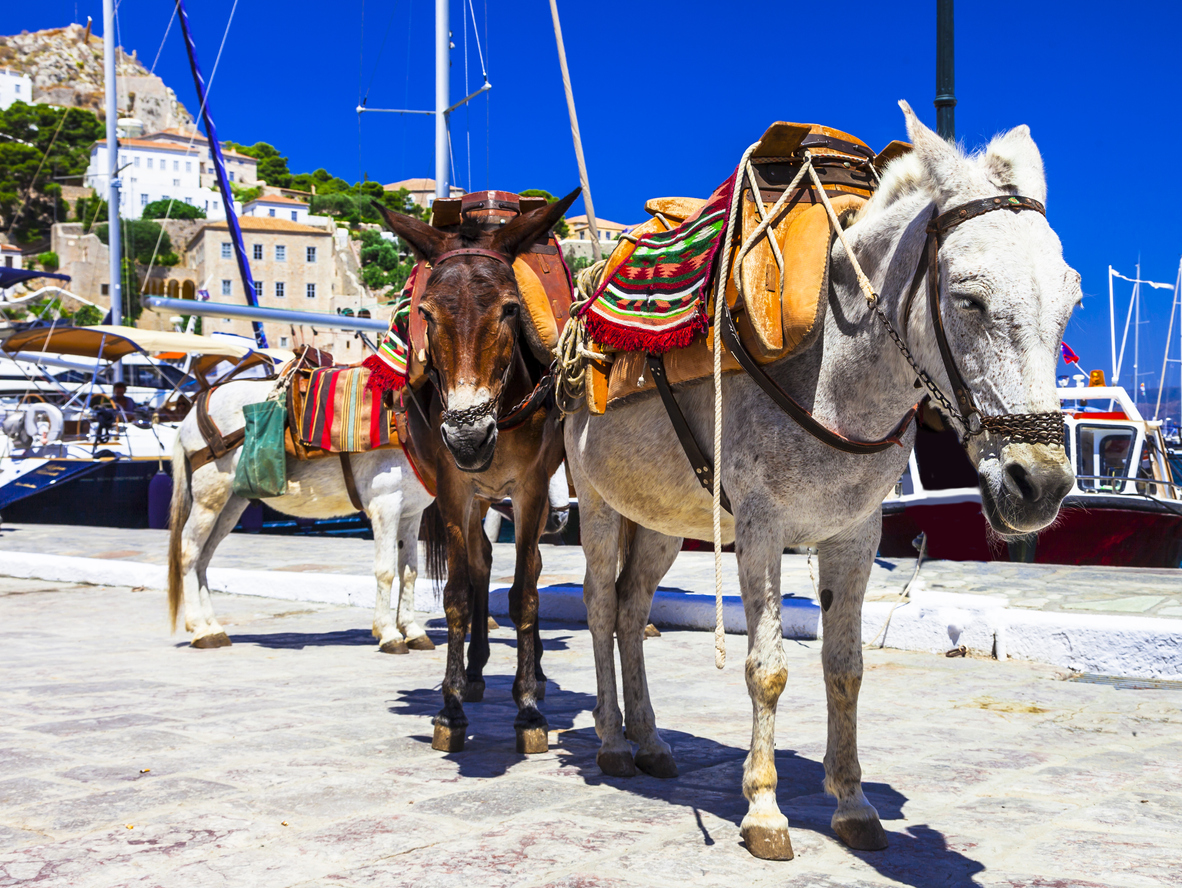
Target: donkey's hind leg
845 569
385 513
408 574
210 633
649 558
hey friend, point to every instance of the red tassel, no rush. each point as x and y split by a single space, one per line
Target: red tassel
382 377
603 331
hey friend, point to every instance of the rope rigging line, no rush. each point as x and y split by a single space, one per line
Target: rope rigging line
163 40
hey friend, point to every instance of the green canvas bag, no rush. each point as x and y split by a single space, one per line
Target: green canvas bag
262 468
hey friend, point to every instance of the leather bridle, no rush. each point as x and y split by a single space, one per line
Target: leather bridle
1028 428
531 402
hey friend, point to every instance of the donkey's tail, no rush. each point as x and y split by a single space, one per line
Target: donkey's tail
182 504
433 533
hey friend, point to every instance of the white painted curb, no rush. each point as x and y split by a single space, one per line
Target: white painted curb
1142 647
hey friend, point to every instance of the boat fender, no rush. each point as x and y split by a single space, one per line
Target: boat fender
52 415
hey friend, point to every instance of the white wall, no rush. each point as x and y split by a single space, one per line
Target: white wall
153 174
290 212
14 86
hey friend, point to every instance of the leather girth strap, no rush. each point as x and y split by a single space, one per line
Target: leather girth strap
350 481
789 405
702 466
219 446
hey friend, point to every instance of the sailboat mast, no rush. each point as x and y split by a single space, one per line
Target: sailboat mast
1161 387
115 233
442 92
1137 336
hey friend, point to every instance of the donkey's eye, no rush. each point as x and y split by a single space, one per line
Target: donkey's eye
427 316
510 311
969 302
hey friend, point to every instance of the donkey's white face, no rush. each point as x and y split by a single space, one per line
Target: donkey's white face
1005 296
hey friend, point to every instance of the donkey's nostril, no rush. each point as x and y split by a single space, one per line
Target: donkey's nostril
1019 480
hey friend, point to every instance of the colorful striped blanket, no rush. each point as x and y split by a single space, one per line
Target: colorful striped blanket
388 367
655 299
343 413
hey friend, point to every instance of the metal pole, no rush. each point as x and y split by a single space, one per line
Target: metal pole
945 72
574 131
114 236
317 319
442 92
1112 323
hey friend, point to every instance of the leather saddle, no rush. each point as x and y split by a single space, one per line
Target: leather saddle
543 279
774 316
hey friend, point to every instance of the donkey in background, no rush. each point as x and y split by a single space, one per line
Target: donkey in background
485 438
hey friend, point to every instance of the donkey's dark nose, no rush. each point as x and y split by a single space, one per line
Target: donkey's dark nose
472 444
1021 483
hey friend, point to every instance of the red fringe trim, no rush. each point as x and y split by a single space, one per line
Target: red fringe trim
382 378
606 332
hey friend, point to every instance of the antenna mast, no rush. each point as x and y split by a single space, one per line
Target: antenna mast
114 237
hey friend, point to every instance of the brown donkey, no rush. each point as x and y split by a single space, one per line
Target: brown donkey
486 426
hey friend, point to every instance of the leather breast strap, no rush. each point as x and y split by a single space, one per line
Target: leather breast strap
218 446
702 466
350 481
526 408
793 408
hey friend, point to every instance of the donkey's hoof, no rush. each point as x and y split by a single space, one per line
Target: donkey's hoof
531 741
216 640
394 646
861 834
448 739
473 691
651 631
657 764
420 643
768 841
493 625
616 763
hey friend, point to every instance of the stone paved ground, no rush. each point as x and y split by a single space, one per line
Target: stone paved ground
301 757
1113 590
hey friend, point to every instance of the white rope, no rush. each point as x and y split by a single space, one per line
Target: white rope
863 281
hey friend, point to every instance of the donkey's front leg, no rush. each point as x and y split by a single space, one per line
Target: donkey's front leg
385 514
759 547
529 511
479 569
845 569
451 724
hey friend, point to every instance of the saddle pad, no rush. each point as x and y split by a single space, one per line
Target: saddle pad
653 295
342 413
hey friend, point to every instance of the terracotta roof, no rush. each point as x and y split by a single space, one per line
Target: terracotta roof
268 223
10 248
276 199
600 223
145 143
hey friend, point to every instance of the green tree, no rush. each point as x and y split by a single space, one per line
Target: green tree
272 165
159 209
49 261
142 238
44 144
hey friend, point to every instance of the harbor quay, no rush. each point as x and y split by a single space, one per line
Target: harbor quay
301 756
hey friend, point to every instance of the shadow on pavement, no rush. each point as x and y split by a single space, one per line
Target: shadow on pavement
297 640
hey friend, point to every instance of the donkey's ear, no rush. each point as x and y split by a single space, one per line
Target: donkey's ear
425 241
948 173
528 228
1013 163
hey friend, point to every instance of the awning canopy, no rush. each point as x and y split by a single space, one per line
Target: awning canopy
111 343
10 277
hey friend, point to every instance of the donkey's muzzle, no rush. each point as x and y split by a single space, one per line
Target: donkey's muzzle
472 444
1023 492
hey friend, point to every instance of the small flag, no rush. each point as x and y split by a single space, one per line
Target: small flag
1069 357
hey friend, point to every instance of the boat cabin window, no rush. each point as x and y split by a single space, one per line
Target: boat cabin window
1103 456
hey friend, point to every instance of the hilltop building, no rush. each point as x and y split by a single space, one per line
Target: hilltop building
422 191
277 206
15 86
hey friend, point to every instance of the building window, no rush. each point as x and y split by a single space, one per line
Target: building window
293 215
310 291
149 163
165 197
283 342
143 200
215 206
231 175
18 89
135 161
225 287
176 166
106 289
258 289
271 212
257 252
280 253
189 201
176 183
226 254
188 166
279 289
310 254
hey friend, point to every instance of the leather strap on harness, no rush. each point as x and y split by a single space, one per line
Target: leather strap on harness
702 466
219 446
350 482
472 251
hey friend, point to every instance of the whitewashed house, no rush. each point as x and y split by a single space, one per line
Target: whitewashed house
155 170
15 86
277 206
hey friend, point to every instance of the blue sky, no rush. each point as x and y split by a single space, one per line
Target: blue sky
669 94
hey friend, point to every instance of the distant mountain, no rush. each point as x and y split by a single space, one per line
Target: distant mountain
66 67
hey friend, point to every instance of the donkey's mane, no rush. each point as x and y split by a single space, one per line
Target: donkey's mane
902 177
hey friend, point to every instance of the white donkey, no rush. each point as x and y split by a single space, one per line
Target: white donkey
205 509
1005 295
